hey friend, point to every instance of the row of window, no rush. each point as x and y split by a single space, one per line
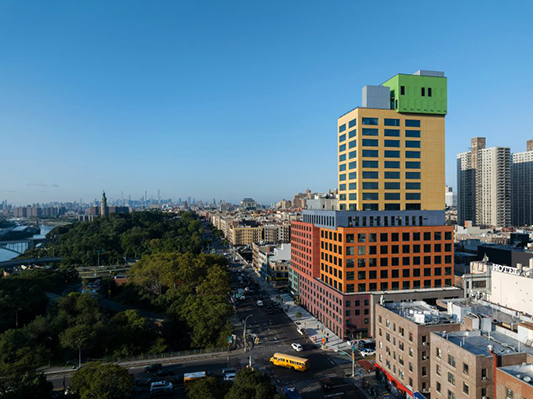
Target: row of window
366 206
386 143
423 91
375 175
375 132
371 185
395 285
384 262
384 274
386 164
384 237
375 196
375 122
375 154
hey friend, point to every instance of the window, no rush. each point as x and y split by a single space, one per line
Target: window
412 133
342 158
342 148
392 175
438 352
371 153
438 388
371 175
423 91
451 360
370 164
352 123
402 90
352 133
372 121
392 196
412 154
392 154
392 164
412 175
342 167
412 196
352 144
466 389
412 165
392 122
451 378
451 395
392 133
342 128
370 196
429 91
465 368
368 185
510 393
352 154
353 186
438 369
392 143
370 142
412 123
370 132
412 144
342 138
342 187
424 371
392 186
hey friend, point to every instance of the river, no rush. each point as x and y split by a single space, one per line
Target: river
7 255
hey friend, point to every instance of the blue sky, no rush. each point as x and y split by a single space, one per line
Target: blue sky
233 99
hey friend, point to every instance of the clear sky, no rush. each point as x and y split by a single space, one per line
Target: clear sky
233 99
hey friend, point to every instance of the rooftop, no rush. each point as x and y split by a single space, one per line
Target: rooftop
523 372
419 312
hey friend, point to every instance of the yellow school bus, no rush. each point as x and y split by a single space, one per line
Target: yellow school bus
190 377
289 361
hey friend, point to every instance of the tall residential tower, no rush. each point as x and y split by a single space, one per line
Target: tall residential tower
388 233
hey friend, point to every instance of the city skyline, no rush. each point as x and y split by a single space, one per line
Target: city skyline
103 96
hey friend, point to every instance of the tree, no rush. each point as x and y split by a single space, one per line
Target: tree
251 384
77 338
28 385
102 381
298 315
207 388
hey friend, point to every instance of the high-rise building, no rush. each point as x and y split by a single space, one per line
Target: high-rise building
522 192
388 233
104 210
484 182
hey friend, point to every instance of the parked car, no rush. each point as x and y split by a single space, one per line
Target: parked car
326 384
297 347
229 376
229 370
367 352
300 331
153 368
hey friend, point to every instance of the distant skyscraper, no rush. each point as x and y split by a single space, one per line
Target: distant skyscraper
522 192
104 210
484 182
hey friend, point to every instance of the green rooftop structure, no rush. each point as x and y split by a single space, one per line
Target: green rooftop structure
424 92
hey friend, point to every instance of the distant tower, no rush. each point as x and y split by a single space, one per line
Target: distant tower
104 210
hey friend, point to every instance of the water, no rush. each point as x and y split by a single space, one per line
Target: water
7 255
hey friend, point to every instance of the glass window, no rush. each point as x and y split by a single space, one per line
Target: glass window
412 165
352 196
352 133
412 144
353 186
352 165
370 164
370 142
342 158
412 186
392 175
412 133
392 164
412 123
352 154
370 207
370 132
352 175
368 185
412 196
392 186
352 144
371 175
370 196
412 175
342 138
392 143
392 154
371 153
342 177
342 128
402 92
392 133
392 196
392 122
412 154
342 187
342 148
372 121
352 123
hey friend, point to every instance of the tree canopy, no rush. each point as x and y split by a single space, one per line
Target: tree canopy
102 381
252 384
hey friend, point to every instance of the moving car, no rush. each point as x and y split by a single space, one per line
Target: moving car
229 370
326 384
164 373
229 376
153 368
160 388
297 347
291 393
301 331
367 352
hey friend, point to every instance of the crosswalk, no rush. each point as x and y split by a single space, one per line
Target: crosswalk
272 349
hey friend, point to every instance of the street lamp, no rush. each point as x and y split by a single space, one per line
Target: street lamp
244 331
99 251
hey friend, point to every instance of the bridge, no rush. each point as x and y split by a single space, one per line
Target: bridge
20 246
29 261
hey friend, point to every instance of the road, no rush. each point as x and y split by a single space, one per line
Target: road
275 332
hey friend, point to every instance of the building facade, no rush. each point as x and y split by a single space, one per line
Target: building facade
522 191
388 233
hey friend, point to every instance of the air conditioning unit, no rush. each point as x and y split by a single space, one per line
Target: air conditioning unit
484 378
425 343
484 397
424 357
425 390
